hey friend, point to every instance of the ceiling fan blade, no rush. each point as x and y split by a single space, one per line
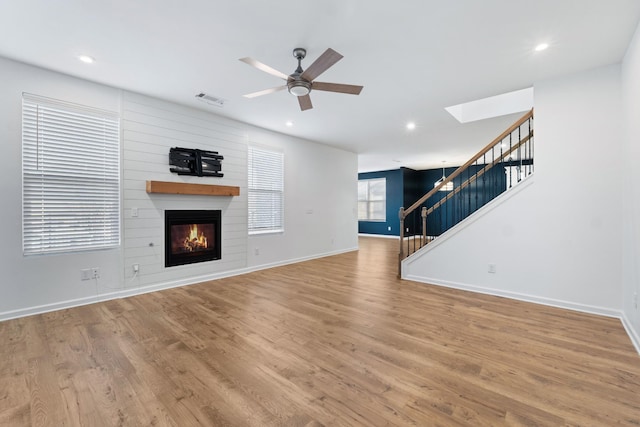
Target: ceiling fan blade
305 102
337 87
320 65
260 66
265 92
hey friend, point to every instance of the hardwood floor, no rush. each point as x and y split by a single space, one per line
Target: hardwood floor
335 341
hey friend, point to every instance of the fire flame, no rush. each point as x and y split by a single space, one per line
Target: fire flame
199 240
193 232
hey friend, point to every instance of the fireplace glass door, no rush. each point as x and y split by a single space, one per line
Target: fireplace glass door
192 236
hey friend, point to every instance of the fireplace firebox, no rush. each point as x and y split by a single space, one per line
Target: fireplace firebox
192 236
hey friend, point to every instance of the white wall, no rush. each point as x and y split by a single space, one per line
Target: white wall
558 239
320 203
320 188
30 284
631 210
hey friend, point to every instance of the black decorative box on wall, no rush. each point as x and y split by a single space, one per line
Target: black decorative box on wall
191 161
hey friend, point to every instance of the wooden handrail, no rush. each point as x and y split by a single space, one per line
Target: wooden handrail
462 168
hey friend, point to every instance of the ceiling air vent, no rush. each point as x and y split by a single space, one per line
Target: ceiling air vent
211 100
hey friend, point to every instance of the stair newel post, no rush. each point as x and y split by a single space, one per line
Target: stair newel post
423 213
401 253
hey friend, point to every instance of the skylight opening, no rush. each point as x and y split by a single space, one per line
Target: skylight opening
493 106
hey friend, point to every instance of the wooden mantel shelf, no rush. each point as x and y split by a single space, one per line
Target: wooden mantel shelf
188 188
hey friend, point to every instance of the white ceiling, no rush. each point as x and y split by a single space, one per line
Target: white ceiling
413 57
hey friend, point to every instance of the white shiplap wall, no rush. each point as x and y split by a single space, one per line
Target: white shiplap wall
150 128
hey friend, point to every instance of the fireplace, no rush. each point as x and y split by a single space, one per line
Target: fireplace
192 236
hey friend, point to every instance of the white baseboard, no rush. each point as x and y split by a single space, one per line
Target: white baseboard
633 334
46 308
382 236
601 311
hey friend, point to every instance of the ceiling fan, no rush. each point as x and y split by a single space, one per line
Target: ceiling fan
301 82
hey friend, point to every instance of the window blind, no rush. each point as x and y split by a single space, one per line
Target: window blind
70 177
372 203
265 191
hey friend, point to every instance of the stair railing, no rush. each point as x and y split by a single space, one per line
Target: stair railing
475 183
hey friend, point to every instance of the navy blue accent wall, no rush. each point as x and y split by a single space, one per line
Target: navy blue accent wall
395 198
413 187
405 186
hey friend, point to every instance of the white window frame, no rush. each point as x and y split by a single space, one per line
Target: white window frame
368 200
70 177
265 190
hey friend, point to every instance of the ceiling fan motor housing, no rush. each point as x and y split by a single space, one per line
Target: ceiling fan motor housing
298 86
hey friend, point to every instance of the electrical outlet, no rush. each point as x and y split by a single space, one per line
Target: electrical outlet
95 273
635 300
134 212
136 268
256 251
389 228
85 274
492 268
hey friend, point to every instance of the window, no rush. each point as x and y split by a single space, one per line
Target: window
70 177
266 191
372 199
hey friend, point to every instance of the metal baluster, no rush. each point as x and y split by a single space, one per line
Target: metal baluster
519 154
484 180
501 179
495 175
401 254
408 231
476 183
529 145
511 160
446 211
532 168
415 229
423 238
468 189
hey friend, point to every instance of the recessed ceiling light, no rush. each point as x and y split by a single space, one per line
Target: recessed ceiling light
86 59
411 125
289 124
541 47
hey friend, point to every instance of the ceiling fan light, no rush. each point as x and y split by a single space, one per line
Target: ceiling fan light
299 87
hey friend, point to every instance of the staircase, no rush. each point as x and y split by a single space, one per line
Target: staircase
497 168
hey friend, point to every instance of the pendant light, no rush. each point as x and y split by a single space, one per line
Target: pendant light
448 186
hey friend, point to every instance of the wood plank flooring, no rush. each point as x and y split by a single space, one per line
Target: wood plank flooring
338 341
